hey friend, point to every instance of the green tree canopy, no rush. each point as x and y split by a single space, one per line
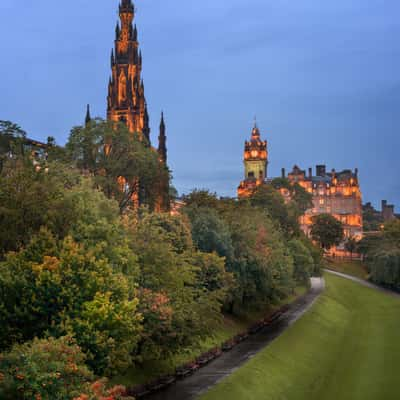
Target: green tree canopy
122 164
327 231
269 199
210 232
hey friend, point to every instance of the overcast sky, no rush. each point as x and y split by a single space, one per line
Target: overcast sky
323 78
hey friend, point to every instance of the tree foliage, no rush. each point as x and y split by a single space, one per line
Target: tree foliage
44 369
122 164
382 254
188 287
327 231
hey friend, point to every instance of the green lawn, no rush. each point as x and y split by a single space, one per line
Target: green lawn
354 267
346 348
228 328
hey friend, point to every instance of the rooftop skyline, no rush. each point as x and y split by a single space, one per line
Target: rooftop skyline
322 79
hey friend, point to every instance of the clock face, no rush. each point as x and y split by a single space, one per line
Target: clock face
254 153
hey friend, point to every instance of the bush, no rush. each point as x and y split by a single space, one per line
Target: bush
385 268
45 369
98 391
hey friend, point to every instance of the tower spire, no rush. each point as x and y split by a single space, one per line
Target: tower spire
162 141
255 133
126 97
88 118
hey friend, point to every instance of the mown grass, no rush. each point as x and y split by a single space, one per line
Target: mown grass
351 267
228 328
347 347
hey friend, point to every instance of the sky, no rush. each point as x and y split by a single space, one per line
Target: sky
322 77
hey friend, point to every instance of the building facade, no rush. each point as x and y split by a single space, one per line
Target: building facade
334 193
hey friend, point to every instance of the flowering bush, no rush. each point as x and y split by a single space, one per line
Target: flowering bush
43 370
98 391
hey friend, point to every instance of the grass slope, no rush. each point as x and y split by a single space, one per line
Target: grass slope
351 267
346 348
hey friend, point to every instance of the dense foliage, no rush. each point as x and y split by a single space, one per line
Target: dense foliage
43 369
382 254
260 239
122 164
85 275
327 231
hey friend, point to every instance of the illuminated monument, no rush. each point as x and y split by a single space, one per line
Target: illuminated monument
255 163
126 101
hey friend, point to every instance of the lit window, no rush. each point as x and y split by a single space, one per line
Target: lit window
321 202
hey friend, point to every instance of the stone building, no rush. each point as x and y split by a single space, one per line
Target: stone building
387 211
335 193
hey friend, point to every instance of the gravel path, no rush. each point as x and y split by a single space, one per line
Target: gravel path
225 365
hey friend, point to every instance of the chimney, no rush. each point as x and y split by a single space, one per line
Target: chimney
310 173
384 204
283 173
356 172
321 170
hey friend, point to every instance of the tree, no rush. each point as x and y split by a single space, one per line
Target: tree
302 260
299 197
179 284
384 267
11 140
327 231
122 164
30 199
52 288
261 264
201 198
268 198
209 231
351 245
382 255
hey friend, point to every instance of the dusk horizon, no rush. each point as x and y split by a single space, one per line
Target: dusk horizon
199 200
212 67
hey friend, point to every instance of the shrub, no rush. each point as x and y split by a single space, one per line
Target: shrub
45 369
98 391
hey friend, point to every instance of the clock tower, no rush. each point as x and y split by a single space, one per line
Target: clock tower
255 163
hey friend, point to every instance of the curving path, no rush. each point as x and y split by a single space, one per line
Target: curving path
363 282
203 379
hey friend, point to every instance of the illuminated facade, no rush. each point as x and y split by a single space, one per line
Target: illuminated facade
126 101
335 193
255 163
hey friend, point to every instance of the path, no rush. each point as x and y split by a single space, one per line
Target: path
363 282
225 365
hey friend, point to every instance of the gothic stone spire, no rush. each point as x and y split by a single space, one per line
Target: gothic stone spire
162 141
88 118
126 98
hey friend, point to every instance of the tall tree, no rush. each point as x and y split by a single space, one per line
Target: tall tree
327 231
122 164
